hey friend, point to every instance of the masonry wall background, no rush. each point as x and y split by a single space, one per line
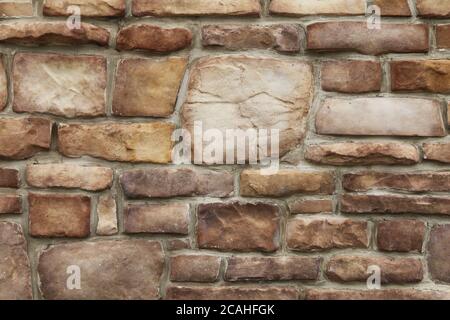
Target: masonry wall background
86 178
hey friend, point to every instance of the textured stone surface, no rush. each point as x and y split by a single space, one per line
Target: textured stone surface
439 253
22 138
351 203
178 244
133 142
64 85
285 182
51 32
443 36
272 268
326 233
416 182
15 8
306 206
9 178
194 268
15 272
282 37
3 85
157 218
395 8
300 8
351 76
437 152
147 87
107 215
238 227
122 269
270 94
10 204
381 117
167 8
346 268
65 175
59 215
176 182
232 293
400 235
88 8
422 75
433 8
360 153
153 38
355 36
384 294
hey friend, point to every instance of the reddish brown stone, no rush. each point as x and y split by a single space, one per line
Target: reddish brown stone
439 253
10 204
394 8
311 206
3 85
232 293
437 152
400 235
272 268
238 227
178 244
59 215
88 8
9 178
107 215
194 268
433 8
443 36
384 294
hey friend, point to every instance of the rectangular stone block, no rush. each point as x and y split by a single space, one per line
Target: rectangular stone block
233 293
194 268
299 8
9 178
88 8
16 8
306 206
401 235
10 204
437 152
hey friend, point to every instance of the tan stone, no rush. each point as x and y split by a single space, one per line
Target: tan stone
110 270
285 182
194 268
326 233
347 268
383 294
15 268
437 152
360 153
51 32
356 36
147 87
443 36
107 215
16 8
298 8
10 204
401 235
306 206
167 8
240 92
132 142
9 178
64 85
381 116
64 175
281 37
22 138
438 253
88 8
433 8
232 293
3 85
394 8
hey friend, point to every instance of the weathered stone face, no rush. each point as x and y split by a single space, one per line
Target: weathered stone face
240 92
9 178
88 8
400 235
394 8
107 215
443 36
238 227
300 8
122 269
194 268
439 254
383 294
15 272
433 8
232 293
311 206
3 85
10 204
437 152
147 87
14 8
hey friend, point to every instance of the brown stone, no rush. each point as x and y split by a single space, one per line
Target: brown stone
439 253
306 206
178 244
346 268
433 8
194 268
65 175
299 8
281 37
153 38
88 8
15 268
415 182
384 294
393 8
421 75
176 182
107 215
355 36
381 117
9 178
168 8
238 227
59 215
351 76
15 8
326 233
272 268
63 85
285 182
3 85
113 270
10 204
443 36
22 138
232 293
52 32
437 152
352 203
400 235
147 87
157 218
131 142
360 153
